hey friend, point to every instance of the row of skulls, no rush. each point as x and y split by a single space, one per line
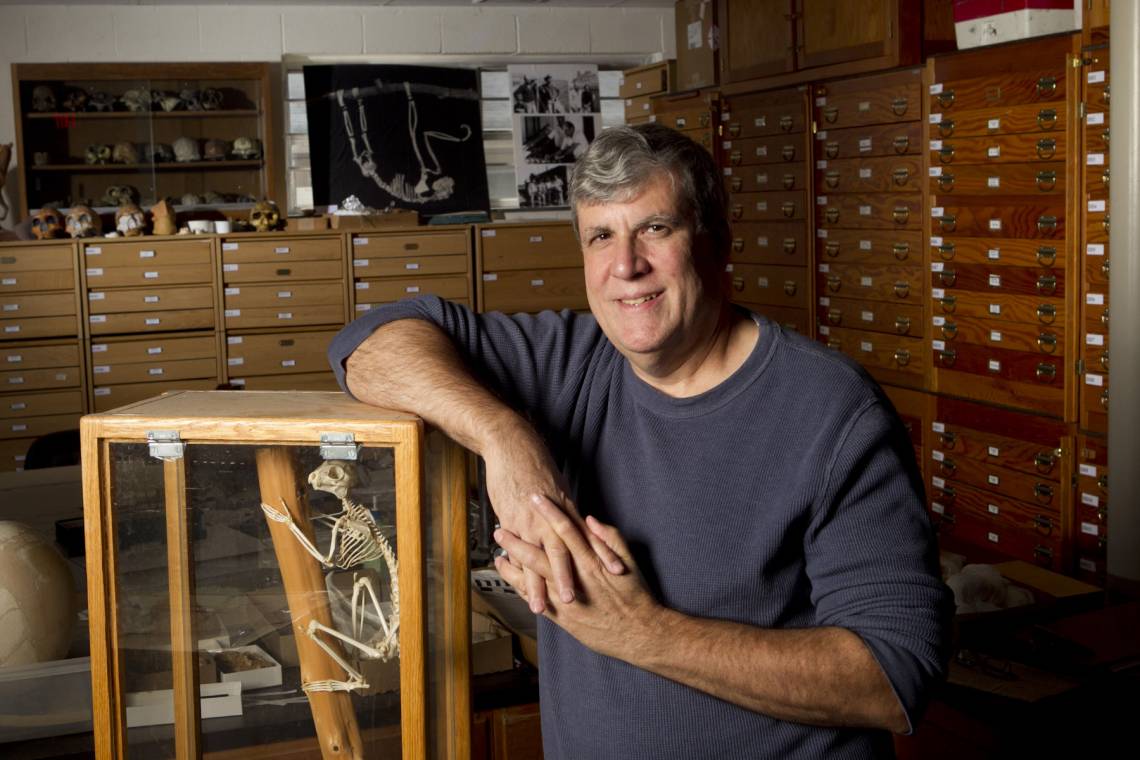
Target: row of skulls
44 100
184 150
82 221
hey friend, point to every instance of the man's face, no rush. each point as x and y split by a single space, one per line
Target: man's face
655 297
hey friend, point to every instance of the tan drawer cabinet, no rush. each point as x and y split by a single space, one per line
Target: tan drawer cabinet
533 290
40 393
33 279
769 113
145 253
529 267
391 266
282 271
283 250
278 352
528 246
902 139
107 397
26 257
403 266
19 405
123 367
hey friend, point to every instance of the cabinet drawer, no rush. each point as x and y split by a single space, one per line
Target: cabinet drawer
32 257
995 450
645 81
1001 363
526 247
1096 312
683 119
1047 340
766 284
877 316
1042 178
638 107
880 211
1042 219
285 271
1006 89
765 150
284 316
396 288
19 306
113 396
455 263
39 327
766 206
156 370
1005 280
413 244
903 139
1039 492
877 282
34 427
33 279
39 379
174 274
895 353
284 295
869 175
1049 119
278 352
870 246
285 250
998 149
534 290
769 243
765 177
148 254
1094 349
900 102
1092 469
151 321
12 453
762 119
288 381
1097 178
28 404
1017 531
999 308
1021 395
1094 401
149 299
152 349
1022 442
995 251
19 357
1097 227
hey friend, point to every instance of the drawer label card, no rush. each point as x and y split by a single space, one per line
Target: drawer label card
864 245
102 391
995 308
18 406
19 427
98 348
939 321
935 118
937 293
995 225
993 254
866 346
1095 249
821 200
1089 528
490 277
762 281
101 369
1094 339
284 293
235 361
935 240
412 289
864 211
993 182
537 283
8 281
938 345
1095 159
487 233
936 145
761 179
1088 470
937 508
1097 206
825 301
234 340
825 267
1096 77
938 427
993 451
936 89
821 233
993 124
232 291
864 174
937 211
288 362
232 312
993 152
16 380
146 254
937 266
729 268
995 336
94 271
150 275
993 480
281 249
938 482
363 286
995 280
760 121
728 171
1090 499
412 265
1094 379
937 456
153 350
866 282
150 299
364 240
98 319
821 134
360 262
761 205
230 246
1094 299
11 328
992 537
865 145
284 315
936 171
992 509
993 365
824 330
761 150
229 267
1096 117
535 239
762 241
864 105
363 306
1087 565
92 296
867 316
152 321
821 101
93 250
155 371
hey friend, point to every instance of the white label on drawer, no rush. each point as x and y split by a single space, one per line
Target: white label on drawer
150 275
19 427
102 391
488 233
824 330
761 179
936 89
234 340
92 296
821 200
8 281
284 293
17 406
864 245
360 262
229 246
993 124
864 174
993 151
939 321
995 225
97 319
821 101
363 286
1096 206
16 380
937 266
728 171
938 482
762 241
936 210
995 280
994 365
155 371
1089 528
229 267
935 240
364 241
237 381
825 267
761 205
146 254
152 321
865 145
94 271
937 293
821 233
490 277
150 299
937 456
867 316
937 508
821 134
992 509
93 250
1096 117
412 289
232 312
235 361
101 369
825 301
726 116
1094 299
535 239
995 336
936 145
935 171
153 350
288 362
935 118
232 291
993 537
821 164
1094 339
864 105
363 306
866 282
1087 565
762 150
11 328
993 451
1094 379
993 181
1090 499
1095 159
866 346
1096 77
938 427
284 315
994 254
864 211
762 281
15 358
760 121
411 265
938 345
729 268
537 283
1088 470
281 249
1094 249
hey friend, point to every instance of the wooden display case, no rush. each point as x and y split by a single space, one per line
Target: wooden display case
53 138
194 504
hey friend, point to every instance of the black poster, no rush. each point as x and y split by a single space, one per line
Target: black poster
396 136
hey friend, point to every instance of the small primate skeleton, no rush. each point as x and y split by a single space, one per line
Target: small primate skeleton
355 540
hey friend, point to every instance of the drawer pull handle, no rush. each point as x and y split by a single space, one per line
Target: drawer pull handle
1046 181
734 130
734 158
789 181
738 283
950 330
831 149
1104 399
1107 93
1105 177
1046 148
946 251
1105 137
1046 255
946 182
901 175
948 277
737 245
949 439
1104 317
832 215
1105 223
790 287
786 123
948 467
946 155
902 325
945 519
831 248
834 316
737 211
902 357
788 208
948 304
703 119
411 246
899 106
948 222
947 356
946 127
1047 342
788 153
1046 86
1103 359
1047 118
949 494
902 289
834 344
1043 492
946 98
834 283
901 251
736 184
1043 555
831 179
1046 313
1045 461
901 144
1047 223
1102 482
286 342
1046 373
830 114
283 272
1044 524
1047 284
901 214
789 246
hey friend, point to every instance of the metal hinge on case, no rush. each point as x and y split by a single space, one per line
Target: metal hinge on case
165 444
1080 367
339 446
1082 110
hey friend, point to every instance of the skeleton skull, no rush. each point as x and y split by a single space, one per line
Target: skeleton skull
189 199
136 100
43 99
186 150
75 100
191 100
215 150
334 476
82 221
211 99
162 218
264 216
98 154
100 102
161 153
125 153
117 195
167 101
47 223
247 148
130 220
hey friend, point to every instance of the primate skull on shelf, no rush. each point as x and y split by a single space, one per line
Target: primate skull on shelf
82 221
186 150
47 223
43 99
264 216
130 220
97 154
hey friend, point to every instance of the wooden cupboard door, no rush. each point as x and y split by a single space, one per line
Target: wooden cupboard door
836 31
757 38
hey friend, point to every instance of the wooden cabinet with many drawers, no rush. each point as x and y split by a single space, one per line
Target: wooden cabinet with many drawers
529 267
289 359
389 266
41 392
1091 505
125 369
38 295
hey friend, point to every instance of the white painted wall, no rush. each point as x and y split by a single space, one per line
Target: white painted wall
125 33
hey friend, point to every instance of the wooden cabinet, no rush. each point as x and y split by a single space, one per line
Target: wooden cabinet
390 266
757 39
529 267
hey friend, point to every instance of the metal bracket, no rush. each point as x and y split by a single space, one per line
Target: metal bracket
339 446
165 444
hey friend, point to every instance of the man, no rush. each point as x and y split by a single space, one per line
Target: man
571 143
548 96
755 576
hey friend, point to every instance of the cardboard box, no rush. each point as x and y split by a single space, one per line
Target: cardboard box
397 218
987 22
155 708
307 223
698 44
491 650
231 667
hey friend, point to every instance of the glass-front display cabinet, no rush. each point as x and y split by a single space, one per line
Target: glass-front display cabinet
275 574
199 135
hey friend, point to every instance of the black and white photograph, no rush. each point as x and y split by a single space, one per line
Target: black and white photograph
556 139
543 186
541 89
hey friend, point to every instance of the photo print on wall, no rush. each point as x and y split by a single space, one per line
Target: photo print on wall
556 111
396 136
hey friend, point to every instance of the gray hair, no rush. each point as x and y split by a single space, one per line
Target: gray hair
621 160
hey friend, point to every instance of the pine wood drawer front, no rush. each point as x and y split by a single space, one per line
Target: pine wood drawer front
955 277
895 353
284 316
869 175
38 327
1025 442
991 449
20 357
878 211
1033 121
640 106
687 120
30 280
396 288
891 283
527 247
1097 225
1044 370
39 379
280 352
1017 530
1097 177
869 246
534 290
1096 313
766 207
112 396
34 427
28 404
877 316
1046 85
953 331
1043 178
414 244
760 120
30 258
19 306
288 381
153 371
456 263
174 274
148 299
873 106
151 321
12 453
954 250
1092 470
765 150
996 150
765 177
165 348
1026 396
1040 492
767 284
903 139
284 295
283 250
1098 136
1038 218
145 253
1095 400
290 271
769 243
1000 308
644 81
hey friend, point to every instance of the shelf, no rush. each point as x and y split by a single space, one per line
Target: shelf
166 166
96 115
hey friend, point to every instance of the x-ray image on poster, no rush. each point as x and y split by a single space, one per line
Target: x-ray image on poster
557 112
396 136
